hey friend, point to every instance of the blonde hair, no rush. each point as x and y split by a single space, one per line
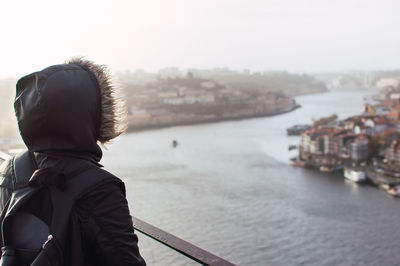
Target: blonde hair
113 106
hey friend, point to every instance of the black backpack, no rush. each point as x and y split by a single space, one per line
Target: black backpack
26 238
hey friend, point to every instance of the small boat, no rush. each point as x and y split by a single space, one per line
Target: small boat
292 147
325 168
354 175
385 187
296 130
394 191
174 143
299 163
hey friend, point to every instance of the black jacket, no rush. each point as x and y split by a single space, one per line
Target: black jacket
58 111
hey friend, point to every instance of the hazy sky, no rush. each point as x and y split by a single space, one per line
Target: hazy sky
296 35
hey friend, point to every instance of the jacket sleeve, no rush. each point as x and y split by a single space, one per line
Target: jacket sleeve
107 229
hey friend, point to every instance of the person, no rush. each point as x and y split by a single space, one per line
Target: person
64 112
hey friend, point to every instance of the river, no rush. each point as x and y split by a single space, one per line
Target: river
228 188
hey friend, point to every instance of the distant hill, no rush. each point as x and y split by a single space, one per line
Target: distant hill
271 81
191 99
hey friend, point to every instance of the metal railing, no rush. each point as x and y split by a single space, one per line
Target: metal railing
179 245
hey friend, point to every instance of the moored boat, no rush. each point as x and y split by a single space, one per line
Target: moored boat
292 147
299 163
394 191
354 175
325 168
296 130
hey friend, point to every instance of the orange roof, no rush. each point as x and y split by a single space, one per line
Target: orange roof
387 132
388 103
382 120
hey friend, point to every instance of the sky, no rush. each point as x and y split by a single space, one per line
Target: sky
259 35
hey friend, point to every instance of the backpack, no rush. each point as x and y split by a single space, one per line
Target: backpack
26 238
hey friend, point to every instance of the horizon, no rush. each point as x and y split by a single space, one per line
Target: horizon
251 72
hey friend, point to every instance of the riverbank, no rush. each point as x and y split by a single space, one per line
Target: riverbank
184 119
194 99
141 122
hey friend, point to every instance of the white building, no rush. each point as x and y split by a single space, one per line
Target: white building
387 82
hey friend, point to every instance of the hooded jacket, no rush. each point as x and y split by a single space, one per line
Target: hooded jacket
59 115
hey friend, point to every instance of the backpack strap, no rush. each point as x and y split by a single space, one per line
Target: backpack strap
63 202
24 166
16 176
76 186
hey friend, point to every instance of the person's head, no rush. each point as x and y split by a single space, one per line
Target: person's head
69 107
113 109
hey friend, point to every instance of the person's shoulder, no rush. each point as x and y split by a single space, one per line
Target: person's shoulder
102 200
107 185
109 180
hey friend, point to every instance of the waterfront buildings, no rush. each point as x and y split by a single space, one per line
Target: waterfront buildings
359 148
368 143
392 152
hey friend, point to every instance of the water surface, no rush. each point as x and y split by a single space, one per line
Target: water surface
228 188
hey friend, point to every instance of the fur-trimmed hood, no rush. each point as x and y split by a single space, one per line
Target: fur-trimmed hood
113 106
59 111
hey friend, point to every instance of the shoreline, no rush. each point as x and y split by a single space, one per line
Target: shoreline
131 128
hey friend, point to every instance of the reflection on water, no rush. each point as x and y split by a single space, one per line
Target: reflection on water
229 189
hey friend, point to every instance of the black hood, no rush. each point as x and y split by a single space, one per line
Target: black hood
59 110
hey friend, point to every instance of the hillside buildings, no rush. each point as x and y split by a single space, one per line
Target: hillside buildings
194 100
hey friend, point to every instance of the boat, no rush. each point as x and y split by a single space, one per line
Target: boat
296 130
325 168
354 175
385 187
292 147
299 163
174 143
394 191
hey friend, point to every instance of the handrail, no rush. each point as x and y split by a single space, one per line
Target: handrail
179 245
